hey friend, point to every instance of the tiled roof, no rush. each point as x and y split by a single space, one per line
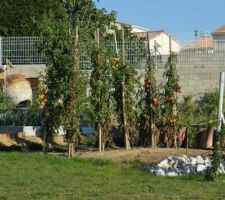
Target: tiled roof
220 30
202 42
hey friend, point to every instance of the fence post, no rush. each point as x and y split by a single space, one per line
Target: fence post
1 52
220 106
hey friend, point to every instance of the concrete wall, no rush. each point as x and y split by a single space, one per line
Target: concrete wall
193 81
196 77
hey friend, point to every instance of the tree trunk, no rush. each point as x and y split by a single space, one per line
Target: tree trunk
103 146
45 147
70 150
45 143
127 141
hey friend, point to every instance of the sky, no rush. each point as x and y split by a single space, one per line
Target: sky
174 16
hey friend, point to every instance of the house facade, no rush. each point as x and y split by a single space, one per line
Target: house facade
159 42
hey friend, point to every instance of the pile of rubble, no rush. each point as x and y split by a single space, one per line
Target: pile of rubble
182 165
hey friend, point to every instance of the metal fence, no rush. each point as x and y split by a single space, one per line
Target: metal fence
199 52
20 50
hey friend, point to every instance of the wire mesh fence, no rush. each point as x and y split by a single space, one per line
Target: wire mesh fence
199 59
21 50
202 51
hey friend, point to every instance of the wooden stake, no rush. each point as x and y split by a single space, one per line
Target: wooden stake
126 136
100 139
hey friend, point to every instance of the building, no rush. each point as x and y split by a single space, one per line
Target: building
134 28
201 44
219 39
160 42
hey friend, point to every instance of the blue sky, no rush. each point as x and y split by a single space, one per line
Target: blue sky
174 16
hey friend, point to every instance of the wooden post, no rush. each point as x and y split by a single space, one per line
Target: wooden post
126 136
100 138
187 142
170 45
220 105
99 125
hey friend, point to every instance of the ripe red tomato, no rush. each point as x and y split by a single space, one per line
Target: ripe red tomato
155 101
170 120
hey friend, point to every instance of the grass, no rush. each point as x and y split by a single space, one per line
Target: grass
35 176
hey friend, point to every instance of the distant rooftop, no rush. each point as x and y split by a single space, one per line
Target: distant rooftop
132 26
220 30
202 42
151 34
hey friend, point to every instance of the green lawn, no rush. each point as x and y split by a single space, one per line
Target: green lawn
34 176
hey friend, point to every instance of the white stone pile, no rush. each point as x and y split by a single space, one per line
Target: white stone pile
183 165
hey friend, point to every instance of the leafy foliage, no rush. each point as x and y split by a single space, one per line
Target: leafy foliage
124 84
101 86
5 103
20 18
212 173
65 85
55 47
170 99
150 105
22 117
207 105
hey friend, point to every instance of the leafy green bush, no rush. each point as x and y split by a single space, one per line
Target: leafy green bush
21 117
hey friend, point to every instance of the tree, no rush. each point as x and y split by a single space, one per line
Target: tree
20 18
171 89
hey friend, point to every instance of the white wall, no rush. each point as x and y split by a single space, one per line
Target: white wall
135 29
162 42
219 42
